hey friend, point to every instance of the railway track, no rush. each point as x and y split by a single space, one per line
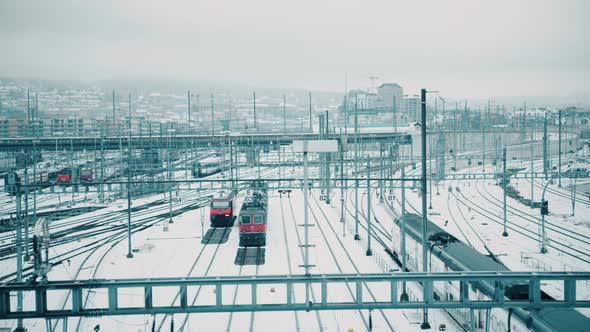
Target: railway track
347 254
549 225
286 239
191 269
302 255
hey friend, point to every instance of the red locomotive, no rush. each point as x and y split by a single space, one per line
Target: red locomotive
253 218
64 175
222 210
86 174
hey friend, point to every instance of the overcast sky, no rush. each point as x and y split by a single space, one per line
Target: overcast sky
464 48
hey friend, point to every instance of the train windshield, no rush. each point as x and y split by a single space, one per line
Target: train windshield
245 220
220 204
258 220
86 172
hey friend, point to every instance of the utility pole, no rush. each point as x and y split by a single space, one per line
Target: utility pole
356 169
430 167
28 107
545 161
129 250
27 256
170 177
369 250
305 218
381 173
101 186
284 116
114 118
425 324
532 159
34 188
327 158
19 258
212 118
455 136
483 143
310 126
342 213
504 184
36 114
254 103
345 104
404 295
188 99
559 151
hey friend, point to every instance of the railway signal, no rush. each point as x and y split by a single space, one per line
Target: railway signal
545 207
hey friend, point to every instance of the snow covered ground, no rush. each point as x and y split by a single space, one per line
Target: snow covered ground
471 211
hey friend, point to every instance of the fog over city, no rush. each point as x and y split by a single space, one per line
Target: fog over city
306 165
465 48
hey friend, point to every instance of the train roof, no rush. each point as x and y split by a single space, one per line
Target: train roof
561 319
466 257
225 196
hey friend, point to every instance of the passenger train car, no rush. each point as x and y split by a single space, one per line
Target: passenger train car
577 170
221 212
447 253
208 166
253 217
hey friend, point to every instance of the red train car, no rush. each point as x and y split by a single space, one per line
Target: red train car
222 211
64 175
253 220
86 174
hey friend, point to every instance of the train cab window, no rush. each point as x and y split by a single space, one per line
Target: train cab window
219 204
245 220
258 220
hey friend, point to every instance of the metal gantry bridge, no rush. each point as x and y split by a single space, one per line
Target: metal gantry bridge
465 281
184 141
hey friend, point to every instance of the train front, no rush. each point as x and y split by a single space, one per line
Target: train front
221 212
253 228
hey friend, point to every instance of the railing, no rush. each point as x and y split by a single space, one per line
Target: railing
115 293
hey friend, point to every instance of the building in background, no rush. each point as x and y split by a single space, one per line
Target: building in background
391 93
374 107
411 107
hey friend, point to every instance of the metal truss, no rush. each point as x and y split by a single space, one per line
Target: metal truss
386 283
184 141
273 183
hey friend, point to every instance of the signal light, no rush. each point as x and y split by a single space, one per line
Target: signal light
545 207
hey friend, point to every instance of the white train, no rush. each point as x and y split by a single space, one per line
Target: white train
447 253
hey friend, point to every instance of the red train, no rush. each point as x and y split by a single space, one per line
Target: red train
222 210
253 218
69 175
86 174
64 175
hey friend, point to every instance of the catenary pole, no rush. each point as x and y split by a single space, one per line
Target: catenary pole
356 182
504 185
559 151
129 250
369 250
425 324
